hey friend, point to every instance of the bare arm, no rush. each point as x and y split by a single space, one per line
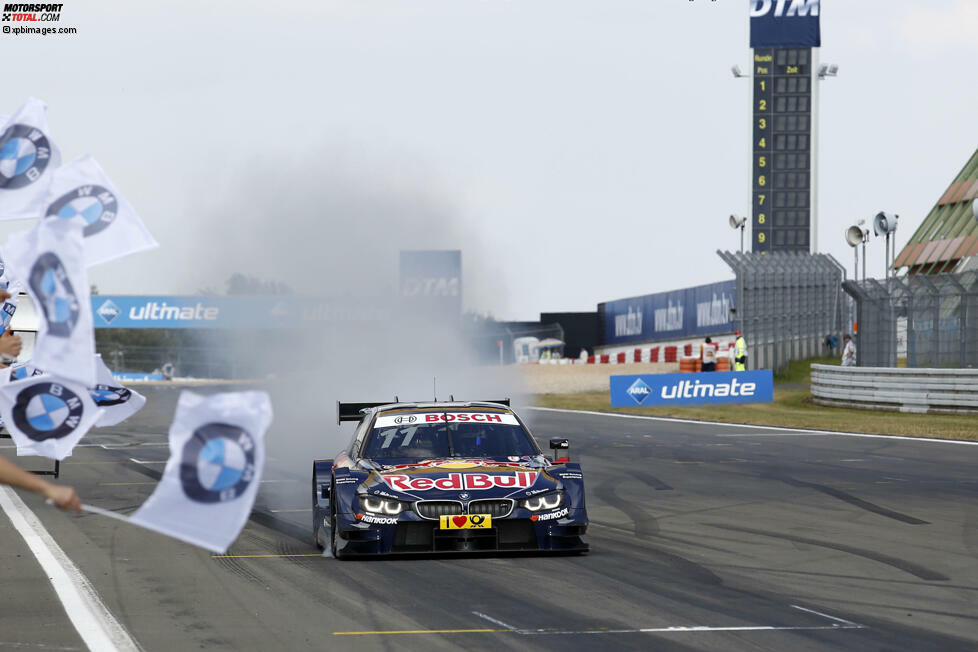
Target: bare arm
63 497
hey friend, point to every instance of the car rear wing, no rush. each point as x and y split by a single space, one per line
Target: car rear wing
355 411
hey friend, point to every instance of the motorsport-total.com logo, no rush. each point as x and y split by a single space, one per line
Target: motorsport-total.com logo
217 463
29 13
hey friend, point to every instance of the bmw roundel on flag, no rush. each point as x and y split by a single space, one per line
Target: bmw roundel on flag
47 415
28 157
81 191
217 452
118 403
48 261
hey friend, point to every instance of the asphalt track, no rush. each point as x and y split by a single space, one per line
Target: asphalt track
704 537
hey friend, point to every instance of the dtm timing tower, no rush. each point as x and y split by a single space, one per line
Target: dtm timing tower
784 37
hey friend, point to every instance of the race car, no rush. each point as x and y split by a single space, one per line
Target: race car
445 477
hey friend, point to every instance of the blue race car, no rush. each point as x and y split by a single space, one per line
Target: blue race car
449 477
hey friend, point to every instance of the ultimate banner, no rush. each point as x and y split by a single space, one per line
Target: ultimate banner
705 388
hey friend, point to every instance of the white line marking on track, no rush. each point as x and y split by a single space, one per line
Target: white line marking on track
95 624
819 613
782 432
133 459
493 620
691 628
39 646
846 624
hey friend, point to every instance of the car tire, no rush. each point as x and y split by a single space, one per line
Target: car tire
317 517
317 532
333 530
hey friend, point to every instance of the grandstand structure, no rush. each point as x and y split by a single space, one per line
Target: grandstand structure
947 240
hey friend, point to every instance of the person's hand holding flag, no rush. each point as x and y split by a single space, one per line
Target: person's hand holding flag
10 346
64 497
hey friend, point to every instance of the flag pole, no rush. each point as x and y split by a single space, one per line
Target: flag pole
98 510
105 512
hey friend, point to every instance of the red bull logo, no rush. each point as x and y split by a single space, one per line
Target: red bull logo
463 481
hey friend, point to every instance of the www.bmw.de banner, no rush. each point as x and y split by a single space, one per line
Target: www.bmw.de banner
713 387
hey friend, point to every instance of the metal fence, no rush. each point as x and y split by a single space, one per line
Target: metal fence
789 305
940 313
187 361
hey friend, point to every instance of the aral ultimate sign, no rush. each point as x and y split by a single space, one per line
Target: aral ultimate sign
160 312
649 390
124 311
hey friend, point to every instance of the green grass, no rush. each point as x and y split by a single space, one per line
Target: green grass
799 372
792 408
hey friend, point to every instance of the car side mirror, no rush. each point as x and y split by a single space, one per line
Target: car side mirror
559 445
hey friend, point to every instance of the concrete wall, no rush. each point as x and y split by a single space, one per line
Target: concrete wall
905 390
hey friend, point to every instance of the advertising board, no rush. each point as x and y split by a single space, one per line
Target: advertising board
701 310
432 280
785 24
131 311
715 387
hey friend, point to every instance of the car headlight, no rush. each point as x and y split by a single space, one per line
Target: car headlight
378 505
539 503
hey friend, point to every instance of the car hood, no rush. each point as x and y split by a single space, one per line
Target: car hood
449 478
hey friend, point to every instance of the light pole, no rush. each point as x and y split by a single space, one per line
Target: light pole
856 235
738 223
824 72
741 222
886 224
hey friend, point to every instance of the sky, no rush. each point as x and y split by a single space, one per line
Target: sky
576 151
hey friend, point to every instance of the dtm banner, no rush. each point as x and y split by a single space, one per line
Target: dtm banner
695 311
785 24
716 387
432 280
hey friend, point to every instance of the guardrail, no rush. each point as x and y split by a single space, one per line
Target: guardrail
889 388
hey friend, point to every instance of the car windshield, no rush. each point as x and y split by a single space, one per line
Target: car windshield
448 435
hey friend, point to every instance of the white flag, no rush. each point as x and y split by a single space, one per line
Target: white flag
81 190
117 402
28 157
46 415
217 452
23 370
48 261
4 279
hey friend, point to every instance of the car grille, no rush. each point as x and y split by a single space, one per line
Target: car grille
434 508
498 508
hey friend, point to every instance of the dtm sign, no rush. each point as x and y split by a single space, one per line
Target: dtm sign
784 8
691 389
785 24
